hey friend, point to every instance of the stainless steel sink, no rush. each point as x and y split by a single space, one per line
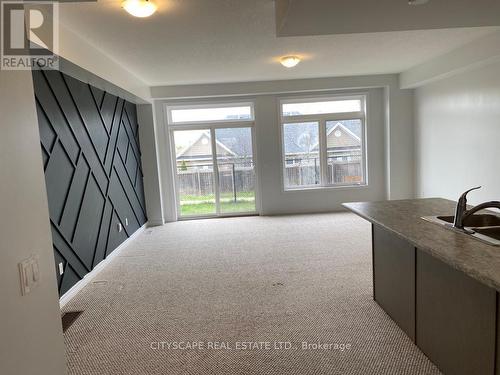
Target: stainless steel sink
484 227
475 221
492 232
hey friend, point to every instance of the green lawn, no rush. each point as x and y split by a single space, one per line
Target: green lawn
205 205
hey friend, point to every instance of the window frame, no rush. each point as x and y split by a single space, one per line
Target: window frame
321 120
171 108
320 98
212 125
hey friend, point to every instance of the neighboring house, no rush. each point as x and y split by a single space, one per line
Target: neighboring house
234 159
343 141
199 151
301 142
343 149
232 144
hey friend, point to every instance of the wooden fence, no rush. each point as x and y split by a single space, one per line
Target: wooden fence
199 181
339 172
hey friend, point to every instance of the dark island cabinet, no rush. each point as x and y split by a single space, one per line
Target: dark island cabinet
451 317
456 318
394 278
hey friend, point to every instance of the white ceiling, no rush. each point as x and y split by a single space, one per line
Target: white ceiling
325 17
215 41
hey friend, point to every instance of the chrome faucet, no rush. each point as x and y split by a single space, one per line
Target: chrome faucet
461 212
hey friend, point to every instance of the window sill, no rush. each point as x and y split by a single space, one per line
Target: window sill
325 188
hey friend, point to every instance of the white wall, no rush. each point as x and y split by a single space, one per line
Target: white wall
164 162
30 326
390 139
80 52
149 161
471 56
457 133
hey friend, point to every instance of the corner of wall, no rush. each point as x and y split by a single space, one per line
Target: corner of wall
80 52
32 340
166 177
399 143
474 55
150 164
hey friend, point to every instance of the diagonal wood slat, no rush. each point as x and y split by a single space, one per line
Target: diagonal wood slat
89 140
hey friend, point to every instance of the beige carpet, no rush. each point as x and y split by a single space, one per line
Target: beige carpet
294 279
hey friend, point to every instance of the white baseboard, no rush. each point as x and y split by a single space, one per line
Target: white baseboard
66 297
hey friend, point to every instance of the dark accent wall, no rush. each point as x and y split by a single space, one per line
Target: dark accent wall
91 155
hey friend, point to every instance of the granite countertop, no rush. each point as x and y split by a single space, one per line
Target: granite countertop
462 252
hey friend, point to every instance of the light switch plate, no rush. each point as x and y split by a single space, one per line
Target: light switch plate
29 273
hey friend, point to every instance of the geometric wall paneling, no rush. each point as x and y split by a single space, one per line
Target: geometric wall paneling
90 116
98 96
88 224
92 160
102 240
45 158
54 115
64 248
69 279
107 108
47 135
73 204
59 174
58 258
115 238
122 207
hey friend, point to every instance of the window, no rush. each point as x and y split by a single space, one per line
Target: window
301 154
211 113
321 107
323 142
213 158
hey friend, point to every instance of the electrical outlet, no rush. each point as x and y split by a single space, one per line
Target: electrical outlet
29 274
126 221
61 268
120 227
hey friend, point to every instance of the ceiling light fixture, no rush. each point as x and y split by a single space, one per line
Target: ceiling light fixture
417 2
139 8
289 61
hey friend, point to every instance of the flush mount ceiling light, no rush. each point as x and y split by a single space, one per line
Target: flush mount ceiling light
289 61
139 8
417 2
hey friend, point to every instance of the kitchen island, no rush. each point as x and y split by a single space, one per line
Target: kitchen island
440 286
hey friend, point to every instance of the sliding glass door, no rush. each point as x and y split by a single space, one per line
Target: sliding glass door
215 171
236 170
196 194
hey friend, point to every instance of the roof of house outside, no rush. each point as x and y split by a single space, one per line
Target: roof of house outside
230 142
238 140
299 138
303 137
